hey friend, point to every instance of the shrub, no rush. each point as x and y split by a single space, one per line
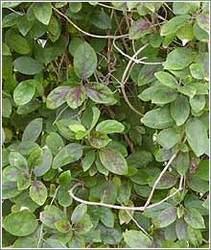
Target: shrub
105 124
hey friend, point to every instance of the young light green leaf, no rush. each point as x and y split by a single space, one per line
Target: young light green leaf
85 61
113 161
180 110
38 192
70 153
65 178
173 25
135 239
199 143
110 126
32 130
20 223
24 92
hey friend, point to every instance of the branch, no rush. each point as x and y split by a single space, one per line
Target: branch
142 208
159 177
87 33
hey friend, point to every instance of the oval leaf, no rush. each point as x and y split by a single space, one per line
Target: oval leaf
113 161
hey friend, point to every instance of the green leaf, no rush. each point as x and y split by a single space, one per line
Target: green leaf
50 215
173 25
198 103
54 142
159 94
139 29
84 225
180 110
44 162
100 93
95 117
57 97
166 217
10 4
78 213
98 140
85 61
20 223
135 239
24 92
88 160
168 138
197 71
18 43
193 218
42 12
203 170
166 79
32 130
181 8
158 118
6 107
63 226
185 33
38 192
182 163
18 160
68 154
107 217
203 21
113 161
76 96
110 126
65 178
200 142
27 65
63 197
178 59
101 20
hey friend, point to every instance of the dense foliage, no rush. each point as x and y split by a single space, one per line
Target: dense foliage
105 106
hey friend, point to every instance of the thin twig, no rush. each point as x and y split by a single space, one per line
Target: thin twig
137 224
141 208
87 33
124 80
159 178
40 236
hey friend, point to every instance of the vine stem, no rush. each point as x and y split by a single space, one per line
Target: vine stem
142 208
159 178
87 33
125 77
